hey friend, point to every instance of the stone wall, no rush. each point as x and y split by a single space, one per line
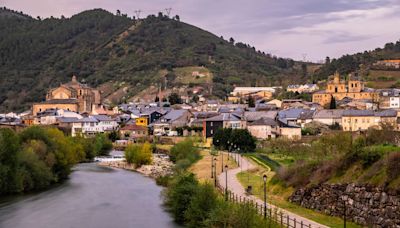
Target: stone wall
365 205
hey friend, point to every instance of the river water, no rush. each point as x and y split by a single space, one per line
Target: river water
93 197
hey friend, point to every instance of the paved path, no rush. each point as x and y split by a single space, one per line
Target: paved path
237 188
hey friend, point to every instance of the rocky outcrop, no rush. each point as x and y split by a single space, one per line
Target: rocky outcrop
364 205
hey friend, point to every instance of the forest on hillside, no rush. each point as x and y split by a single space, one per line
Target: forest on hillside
98 46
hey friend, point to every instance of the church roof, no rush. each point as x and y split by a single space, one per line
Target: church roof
60 101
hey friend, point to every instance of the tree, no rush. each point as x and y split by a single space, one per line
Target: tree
201 204
332 104
174 98
180 194
251 102
102 145
118 12
231 40
327 60
177 18
113 136
238 139
195 98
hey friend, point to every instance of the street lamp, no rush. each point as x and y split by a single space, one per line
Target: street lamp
222 162
212 166
239 157
265 196
226 182
215 172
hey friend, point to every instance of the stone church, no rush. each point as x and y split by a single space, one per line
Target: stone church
352 88
72 96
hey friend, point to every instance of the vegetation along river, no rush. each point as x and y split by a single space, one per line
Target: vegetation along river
94 196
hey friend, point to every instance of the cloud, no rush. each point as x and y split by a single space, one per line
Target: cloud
286 28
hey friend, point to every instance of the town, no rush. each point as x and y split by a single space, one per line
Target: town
124 114
345 104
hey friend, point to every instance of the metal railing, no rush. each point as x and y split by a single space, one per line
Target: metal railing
273 214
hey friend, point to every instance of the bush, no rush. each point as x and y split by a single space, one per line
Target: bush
179 195
139 154
203 201
184 154
393 166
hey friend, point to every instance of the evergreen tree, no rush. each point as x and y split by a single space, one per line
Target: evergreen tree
332 105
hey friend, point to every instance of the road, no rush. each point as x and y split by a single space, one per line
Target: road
237 188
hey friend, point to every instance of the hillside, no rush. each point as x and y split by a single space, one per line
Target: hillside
102 48
361 62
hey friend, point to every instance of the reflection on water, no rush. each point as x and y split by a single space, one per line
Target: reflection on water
95 197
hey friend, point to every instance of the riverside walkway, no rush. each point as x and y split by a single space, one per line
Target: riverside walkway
236 187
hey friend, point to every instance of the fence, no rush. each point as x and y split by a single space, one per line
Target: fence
280 218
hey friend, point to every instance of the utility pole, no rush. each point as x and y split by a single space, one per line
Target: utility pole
137 12
168 11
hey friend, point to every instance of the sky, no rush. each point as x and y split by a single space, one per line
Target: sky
299 29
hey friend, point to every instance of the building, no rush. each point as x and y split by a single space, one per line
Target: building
389 63
241 93
93 125
72 96
264 128
306 88
133 132
340 89
172 120
359 120
389 99
329 116
223 120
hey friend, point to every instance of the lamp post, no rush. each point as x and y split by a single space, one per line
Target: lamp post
212 166
222 162
239 157
265 196
215 172
226 182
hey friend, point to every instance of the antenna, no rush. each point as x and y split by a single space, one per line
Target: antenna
137 12
168 11
304 56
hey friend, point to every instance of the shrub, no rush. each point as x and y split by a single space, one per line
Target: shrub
179 195
184 153
393 166
203 201
139 154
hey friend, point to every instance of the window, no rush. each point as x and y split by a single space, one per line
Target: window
211 131
211 124
355 120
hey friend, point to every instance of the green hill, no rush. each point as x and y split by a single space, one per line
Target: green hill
361 62
101 47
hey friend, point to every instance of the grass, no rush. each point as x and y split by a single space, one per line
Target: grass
264 160
202 168
277 195
184 75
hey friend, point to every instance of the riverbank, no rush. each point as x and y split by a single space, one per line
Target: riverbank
161 166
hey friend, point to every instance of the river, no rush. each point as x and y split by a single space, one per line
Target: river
93 196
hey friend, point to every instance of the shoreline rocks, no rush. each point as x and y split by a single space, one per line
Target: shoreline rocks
161 166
